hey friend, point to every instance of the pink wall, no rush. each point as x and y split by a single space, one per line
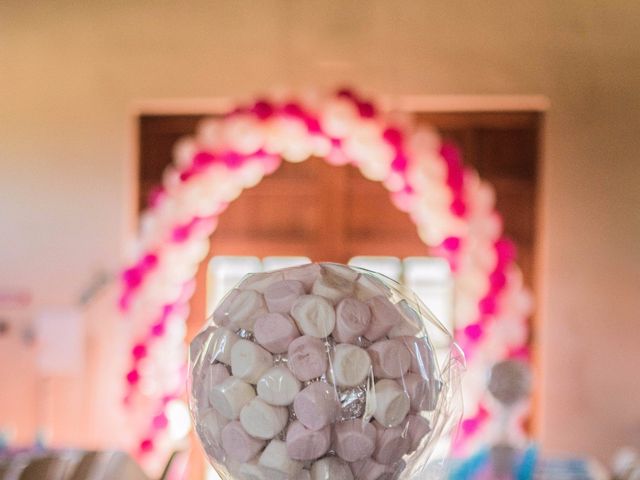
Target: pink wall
72 72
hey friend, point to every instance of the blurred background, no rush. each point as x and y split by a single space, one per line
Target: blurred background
542 98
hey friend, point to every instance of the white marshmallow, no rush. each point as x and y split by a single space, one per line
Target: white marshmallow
230 396
260 281
392 403
411 323
249 361
307 274
278 386
276 462
261 420
331 468
209 426
336 282
245 307
314 316
220 344
248 471
350 365
369 286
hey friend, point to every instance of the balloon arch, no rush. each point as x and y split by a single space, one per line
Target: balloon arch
452 208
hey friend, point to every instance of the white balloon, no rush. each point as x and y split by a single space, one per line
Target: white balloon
183 152
210 134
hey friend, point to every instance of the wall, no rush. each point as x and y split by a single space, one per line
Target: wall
71 71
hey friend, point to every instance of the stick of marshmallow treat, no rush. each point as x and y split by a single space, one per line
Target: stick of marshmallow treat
317 405
331 468
391 444
307 274
230 396
350 365
354 440
384 316
220 344
277 463
352 320
238 444
275 331
305 444
261 420
307 358
335 283
245 307
314 316
392 403
278 386
221 313
249 361
280 296
390 359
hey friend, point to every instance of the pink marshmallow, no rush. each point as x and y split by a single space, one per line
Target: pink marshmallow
391 444
307 274
417 428
369 469
305 444
221 313
280 296
275 331
354 440
390 358
384 316
238 444
352 319
420 394
421 362
308 358
317 405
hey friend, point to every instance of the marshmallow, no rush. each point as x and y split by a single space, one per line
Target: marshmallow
197 352
248 471
314 316
335 283
221 313
261 420
422 397
209 427
259 282
391 403
410 323
275 331
245 307
369 469
305 444
307 274
214 375
280 296
369 286
352 320
417 428
303 475
354 440
230 396
331 468
220 344
278 386
384 316
277 463
249 361
317 405
391 444
390 359
238 444
422 361
350 366
307 358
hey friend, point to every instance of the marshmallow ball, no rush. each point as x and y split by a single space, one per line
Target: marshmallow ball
316 372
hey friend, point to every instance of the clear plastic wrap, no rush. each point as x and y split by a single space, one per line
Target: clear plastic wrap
322 371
